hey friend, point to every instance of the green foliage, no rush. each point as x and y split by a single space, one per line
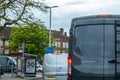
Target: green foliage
34 36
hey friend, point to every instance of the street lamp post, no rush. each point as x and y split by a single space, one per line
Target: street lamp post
50 23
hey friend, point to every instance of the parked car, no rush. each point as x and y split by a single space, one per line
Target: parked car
1 70
39 67
8 63
55 67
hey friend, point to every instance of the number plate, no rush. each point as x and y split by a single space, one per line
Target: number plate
49 76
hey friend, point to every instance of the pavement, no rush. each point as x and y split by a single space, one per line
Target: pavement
9 76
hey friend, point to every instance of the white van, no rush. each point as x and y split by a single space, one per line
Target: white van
55 66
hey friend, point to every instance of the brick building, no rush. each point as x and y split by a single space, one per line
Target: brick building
4 40
61 41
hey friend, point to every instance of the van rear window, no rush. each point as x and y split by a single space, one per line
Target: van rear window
62 60
50 60
93 40
87 44
56 59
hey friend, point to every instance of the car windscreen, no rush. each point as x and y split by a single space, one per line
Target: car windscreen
13 59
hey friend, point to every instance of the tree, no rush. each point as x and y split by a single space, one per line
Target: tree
18 11
35 37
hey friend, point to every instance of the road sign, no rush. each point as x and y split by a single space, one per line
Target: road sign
49 50
21 47
30 65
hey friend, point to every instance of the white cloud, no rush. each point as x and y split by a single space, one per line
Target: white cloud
88 7
68 9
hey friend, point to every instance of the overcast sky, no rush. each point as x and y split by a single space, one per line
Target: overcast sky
69 9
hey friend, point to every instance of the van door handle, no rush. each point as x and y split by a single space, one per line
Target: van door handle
112 61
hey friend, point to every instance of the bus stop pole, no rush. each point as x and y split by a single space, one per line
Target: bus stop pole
23 66
12 68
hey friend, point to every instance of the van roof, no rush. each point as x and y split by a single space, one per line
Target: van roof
96 16
91 17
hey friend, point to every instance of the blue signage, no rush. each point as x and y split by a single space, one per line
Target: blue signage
49 50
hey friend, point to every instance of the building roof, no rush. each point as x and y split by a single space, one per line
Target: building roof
60 34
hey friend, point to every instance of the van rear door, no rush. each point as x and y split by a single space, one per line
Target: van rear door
50 64
117 49
109 52
88 53
112 50
61 70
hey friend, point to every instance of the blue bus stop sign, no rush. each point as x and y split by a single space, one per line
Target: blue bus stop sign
49 50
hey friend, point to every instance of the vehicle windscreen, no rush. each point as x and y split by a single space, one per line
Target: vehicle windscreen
13 59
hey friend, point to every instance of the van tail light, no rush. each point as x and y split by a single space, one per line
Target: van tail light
69 76
69 66
69 60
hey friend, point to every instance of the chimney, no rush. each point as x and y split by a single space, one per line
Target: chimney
61 30
65 34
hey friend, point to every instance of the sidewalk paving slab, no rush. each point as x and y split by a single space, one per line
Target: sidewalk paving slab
8 76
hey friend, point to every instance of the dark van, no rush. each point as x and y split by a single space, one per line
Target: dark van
94 48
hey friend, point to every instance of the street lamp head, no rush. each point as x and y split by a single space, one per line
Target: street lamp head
47 7
51 6
54 6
